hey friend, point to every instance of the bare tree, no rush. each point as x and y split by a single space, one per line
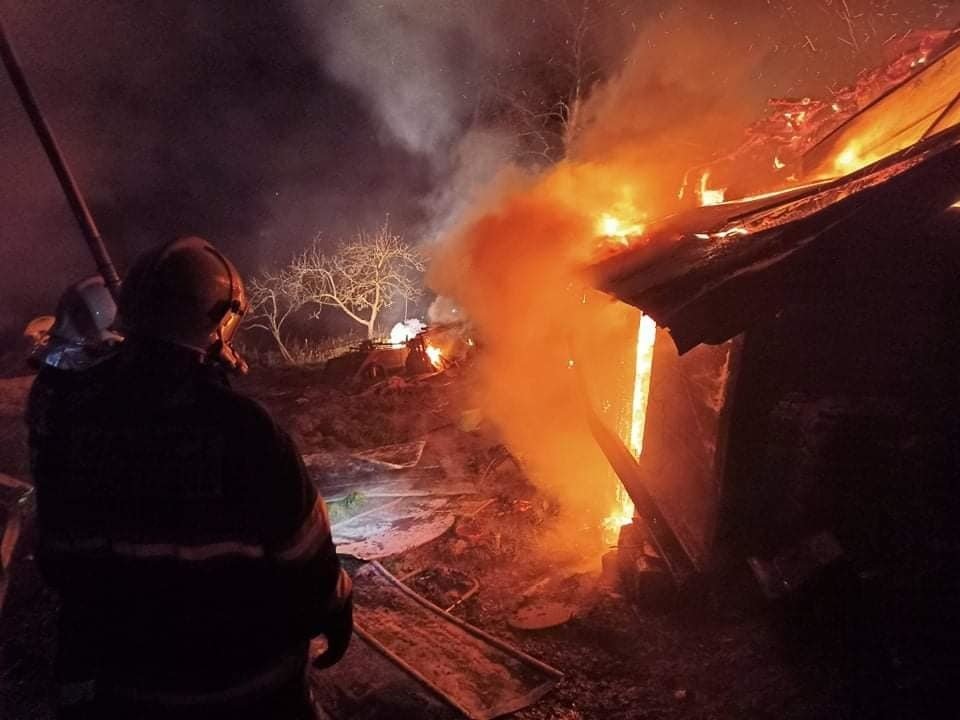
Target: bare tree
362 277
545 108
274 297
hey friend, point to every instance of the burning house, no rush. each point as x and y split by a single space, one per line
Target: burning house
794 402
798 278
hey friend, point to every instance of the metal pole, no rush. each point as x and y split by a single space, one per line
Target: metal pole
77 204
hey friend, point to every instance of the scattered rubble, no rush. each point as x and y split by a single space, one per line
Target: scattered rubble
500 553
401 456
481 676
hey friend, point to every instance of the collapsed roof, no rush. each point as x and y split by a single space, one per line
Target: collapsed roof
709 274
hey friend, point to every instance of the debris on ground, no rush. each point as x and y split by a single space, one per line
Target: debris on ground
443 586
400 456
555 599
366 685
503 535
392 528
481 676
400 524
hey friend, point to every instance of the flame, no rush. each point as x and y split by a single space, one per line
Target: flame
623 220
435 355
622 513
849 160
525 249
399 335
611 227
710 196
730 232
405 331
646 336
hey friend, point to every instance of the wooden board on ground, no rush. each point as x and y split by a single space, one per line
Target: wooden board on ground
395 457
366 685
478 674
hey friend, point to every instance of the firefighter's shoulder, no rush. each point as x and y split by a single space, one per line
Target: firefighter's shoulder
243 415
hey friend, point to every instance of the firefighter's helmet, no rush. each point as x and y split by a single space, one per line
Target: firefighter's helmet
86 314
188 293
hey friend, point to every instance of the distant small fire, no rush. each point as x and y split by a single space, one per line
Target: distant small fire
435 355
405 331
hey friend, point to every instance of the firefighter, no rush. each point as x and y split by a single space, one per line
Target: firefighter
191 553
78 337
81 334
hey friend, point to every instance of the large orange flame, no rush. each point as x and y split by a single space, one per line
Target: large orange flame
623 510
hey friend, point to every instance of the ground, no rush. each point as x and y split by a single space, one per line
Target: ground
719 654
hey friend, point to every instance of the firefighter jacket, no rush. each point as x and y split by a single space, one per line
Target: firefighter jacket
181 531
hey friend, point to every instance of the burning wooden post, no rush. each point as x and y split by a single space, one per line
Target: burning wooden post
661 429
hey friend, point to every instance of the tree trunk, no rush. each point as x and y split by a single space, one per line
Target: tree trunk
283 349
372 323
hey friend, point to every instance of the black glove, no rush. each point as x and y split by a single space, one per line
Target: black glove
338 632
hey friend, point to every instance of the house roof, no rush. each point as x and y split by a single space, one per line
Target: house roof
709 274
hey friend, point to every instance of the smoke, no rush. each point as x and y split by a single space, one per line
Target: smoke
475 161
413 61
422 67
683 96
260 125
185 118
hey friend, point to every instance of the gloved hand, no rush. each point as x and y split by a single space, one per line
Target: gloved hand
338 632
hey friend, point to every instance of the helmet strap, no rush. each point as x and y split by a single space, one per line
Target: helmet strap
224 354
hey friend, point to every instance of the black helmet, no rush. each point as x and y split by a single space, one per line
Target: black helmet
188 293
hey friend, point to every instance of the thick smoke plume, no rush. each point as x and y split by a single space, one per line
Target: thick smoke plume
412 60
682 98
260 125
420 67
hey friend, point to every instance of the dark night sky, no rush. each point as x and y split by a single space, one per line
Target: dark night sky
260 124
188 119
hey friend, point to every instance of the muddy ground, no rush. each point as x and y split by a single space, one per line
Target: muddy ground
722 653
